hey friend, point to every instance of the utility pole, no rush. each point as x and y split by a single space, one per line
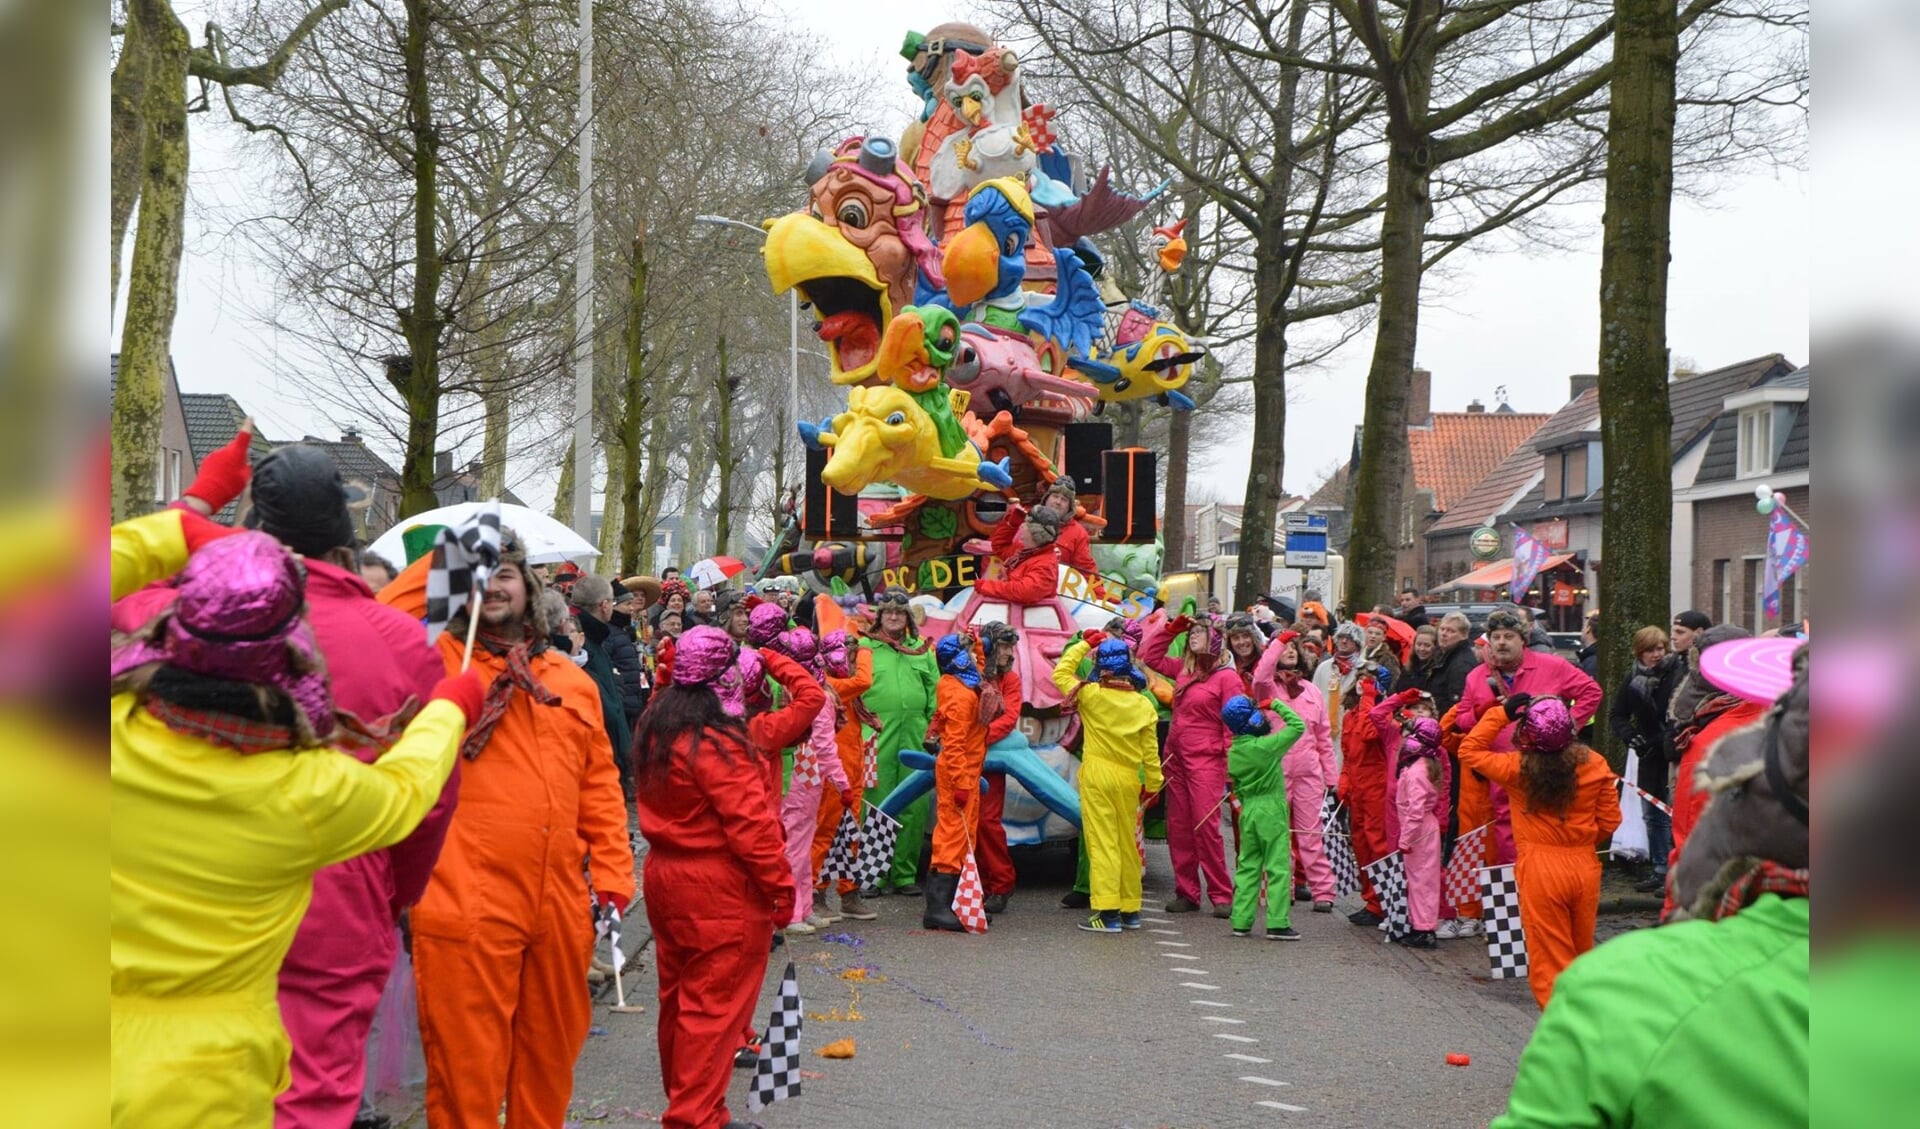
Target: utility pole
583 293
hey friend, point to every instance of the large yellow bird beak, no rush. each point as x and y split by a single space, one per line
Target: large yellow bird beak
800 248
903 351
1172 255
840 282
972 265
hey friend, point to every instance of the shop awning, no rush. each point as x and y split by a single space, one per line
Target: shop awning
1498 574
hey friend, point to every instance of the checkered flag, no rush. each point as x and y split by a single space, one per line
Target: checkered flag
1389 875
1506 940
839 862
1462 881
464 557
862 858
1339 850
777 1075
969 899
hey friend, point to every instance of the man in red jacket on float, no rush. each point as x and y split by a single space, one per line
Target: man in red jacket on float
1023 543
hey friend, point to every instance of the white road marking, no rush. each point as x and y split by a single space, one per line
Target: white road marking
1157 920
1178 956
1235 1038
1209 1003
1203 986
1166 932
1246 1058
1283 1105
1259 1081
1221 1019
1174 944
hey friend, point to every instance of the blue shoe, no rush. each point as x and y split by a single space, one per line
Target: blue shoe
1130 920
1106 921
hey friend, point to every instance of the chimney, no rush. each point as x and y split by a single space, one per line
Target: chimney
1420 398
442 463
1581 383
1476 408
350 435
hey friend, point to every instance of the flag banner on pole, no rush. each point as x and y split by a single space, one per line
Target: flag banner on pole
776 1076
1787 549
1462 881
1339 849
1389 875
1529 557
464 557
1500 910
839 862
869 755
969 898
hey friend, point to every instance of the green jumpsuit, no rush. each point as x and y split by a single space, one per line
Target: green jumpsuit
902 698
1266 841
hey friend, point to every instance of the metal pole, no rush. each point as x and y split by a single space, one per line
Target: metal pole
583 293
793 363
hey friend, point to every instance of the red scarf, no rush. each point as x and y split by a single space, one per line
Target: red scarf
517 675
1767 878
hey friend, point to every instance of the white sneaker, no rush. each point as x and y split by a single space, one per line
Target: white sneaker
1467 927
818 921
800 928
1447 930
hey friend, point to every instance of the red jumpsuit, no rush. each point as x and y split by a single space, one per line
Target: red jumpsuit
717 888
1558 871
996 863
851 744
503 936
1688 801
1033 575
1073 547
956 773
1364 784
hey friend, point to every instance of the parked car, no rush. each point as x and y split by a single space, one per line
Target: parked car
1476 613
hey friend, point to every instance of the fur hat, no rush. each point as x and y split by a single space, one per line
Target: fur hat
1063 485
1045 525
1352 632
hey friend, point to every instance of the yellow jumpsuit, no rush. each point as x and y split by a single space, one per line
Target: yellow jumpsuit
212 861
1119 757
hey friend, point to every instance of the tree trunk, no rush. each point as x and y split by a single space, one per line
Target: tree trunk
1379 485
563 494
493 447
647 514
1269 457
1126 424
613 510
153 287
127 139
723 448
1635 414
634 410
423 321
1173 512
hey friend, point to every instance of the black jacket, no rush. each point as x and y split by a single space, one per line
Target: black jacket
1415 615
1541 643
1451 669
618 648
1587 658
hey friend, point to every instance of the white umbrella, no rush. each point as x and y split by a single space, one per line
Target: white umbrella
546 539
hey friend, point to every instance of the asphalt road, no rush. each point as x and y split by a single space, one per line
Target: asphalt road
1040 1024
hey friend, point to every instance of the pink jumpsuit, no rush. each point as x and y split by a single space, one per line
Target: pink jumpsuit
815 760
1414 803
1195 767
1307 766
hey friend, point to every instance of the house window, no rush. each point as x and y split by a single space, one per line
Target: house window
1575 464
1756 440
1753 610
1230 548
1556 476
1722 590
160 478
174 483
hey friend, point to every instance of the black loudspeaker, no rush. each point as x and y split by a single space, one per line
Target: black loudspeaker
828 515
1128 495
1086 443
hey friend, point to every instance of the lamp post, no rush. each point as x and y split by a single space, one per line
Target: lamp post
583 293
793 340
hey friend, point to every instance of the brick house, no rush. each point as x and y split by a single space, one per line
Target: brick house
1761 435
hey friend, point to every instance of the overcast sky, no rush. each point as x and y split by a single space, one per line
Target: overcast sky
1523 321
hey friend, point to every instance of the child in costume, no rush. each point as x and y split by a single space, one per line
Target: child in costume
1410 736
959 743
1285 673
1254 766
1195 760
816 766
1119 766
1000 700
902 697
848 668
1564 807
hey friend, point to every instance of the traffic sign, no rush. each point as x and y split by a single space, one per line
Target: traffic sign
1306 540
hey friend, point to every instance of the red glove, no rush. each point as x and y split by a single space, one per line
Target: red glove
618 903
1093 637
960 797
849 799
464 690
1179 624
198 530
782 911
224 473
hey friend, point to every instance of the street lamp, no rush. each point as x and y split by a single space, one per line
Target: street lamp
793 322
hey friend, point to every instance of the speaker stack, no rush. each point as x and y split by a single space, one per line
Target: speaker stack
828 515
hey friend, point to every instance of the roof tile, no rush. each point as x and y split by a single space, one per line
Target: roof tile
1459 449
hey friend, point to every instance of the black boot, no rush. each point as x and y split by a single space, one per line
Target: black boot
939 913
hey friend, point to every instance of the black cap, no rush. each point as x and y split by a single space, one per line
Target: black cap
299 498
1694 621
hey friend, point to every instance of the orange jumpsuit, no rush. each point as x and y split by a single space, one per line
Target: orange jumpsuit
503 936
990 852
851 744
1558 871
956 772
718 886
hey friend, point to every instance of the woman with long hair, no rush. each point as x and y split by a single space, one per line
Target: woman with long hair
1195 759
1285 673
717 881
1244 646
1564 807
